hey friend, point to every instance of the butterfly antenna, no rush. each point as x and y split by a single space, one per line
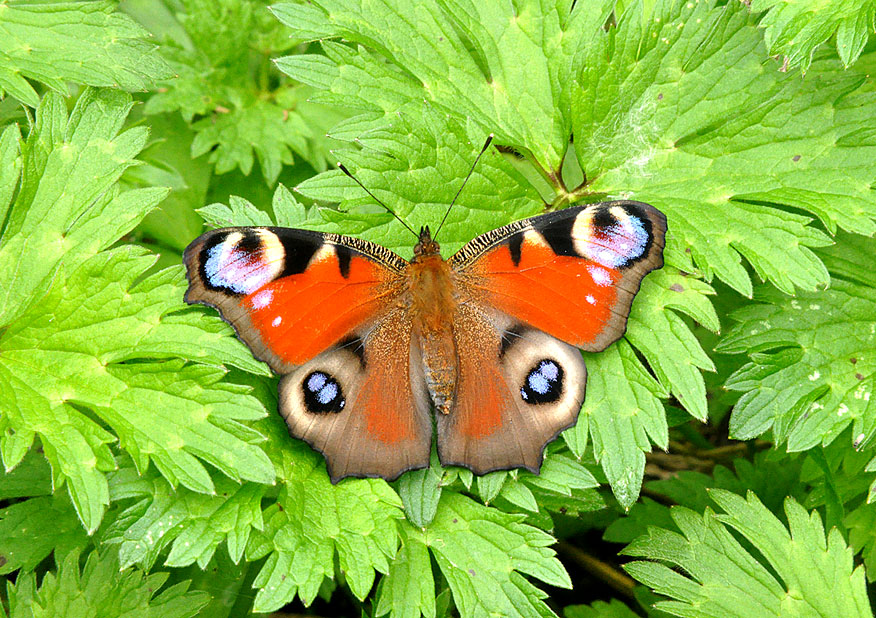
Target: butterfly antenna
478 158
374 197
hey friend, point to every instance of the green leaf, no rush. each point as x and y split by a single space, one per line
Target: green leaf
560 474
484 553
795 29
850 259
666 122
490 485
192 524
232 518
10 171
240 107
813 365
174 223
259 128
31 477
83 42
408 590
96 321
861 524
663 337
771 476
511 69
34 528
599 609
93 325
623 414
100 590
69 170
420 491
809 574
311 521
418 178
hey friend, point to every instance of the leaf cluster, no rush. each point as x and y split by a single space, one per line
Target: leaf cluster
145 470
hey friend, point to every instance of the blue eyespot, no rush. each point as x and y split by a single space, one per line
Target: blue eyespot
322 393
543 384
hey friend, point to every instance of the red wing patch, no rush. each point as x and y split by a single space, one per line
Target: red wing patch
290 294
572 274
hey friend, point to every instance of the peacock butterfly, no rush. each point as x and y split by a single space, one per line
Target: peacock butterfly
368 342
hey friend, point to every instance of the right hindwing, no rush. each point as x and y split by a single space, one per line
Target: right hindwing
518 389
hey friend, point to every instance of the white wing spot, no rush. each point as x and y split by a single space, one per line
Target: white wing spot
590 299
277 321
600 275
262 299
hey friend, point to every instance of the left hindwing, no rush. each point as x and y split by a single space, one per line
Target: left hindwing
572 273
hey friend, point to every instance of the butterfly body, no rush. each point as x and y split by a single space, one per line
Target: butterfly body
368 343
434 297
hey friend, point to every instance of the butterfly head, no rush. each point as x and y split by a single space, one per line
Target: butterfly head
426 246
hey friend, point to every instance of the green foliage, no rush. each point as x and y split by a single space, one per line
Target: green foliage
84 42
812 366
225 86
100 590
795 29
810 575
145 470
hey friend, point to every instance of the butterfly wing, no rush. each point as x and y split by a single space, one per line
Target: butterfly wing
320 309
518 389
291 294
362 404
535 290
572 273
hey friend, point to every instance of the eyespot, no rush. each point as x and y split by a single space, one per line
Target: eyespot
241 261
322 393
543 383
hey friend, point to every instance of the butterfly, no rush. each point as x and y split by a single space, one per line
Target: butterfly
368 343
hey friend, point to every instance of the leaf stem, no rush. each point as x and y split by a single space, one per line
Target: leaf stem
602 571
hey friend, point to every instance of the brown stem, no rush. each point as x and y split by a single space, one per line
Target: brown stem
620 581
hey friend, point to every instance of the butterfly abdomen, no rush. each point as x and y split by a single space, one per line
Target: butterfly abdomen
433 304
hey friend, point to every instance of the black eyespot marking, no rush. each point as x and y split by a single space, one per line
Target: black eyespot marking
344 256
603 219
322 393
558 234
543 384
515 243
299 246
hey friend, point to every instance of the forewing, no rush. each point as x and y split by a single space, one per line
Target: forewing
572 273
291 294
